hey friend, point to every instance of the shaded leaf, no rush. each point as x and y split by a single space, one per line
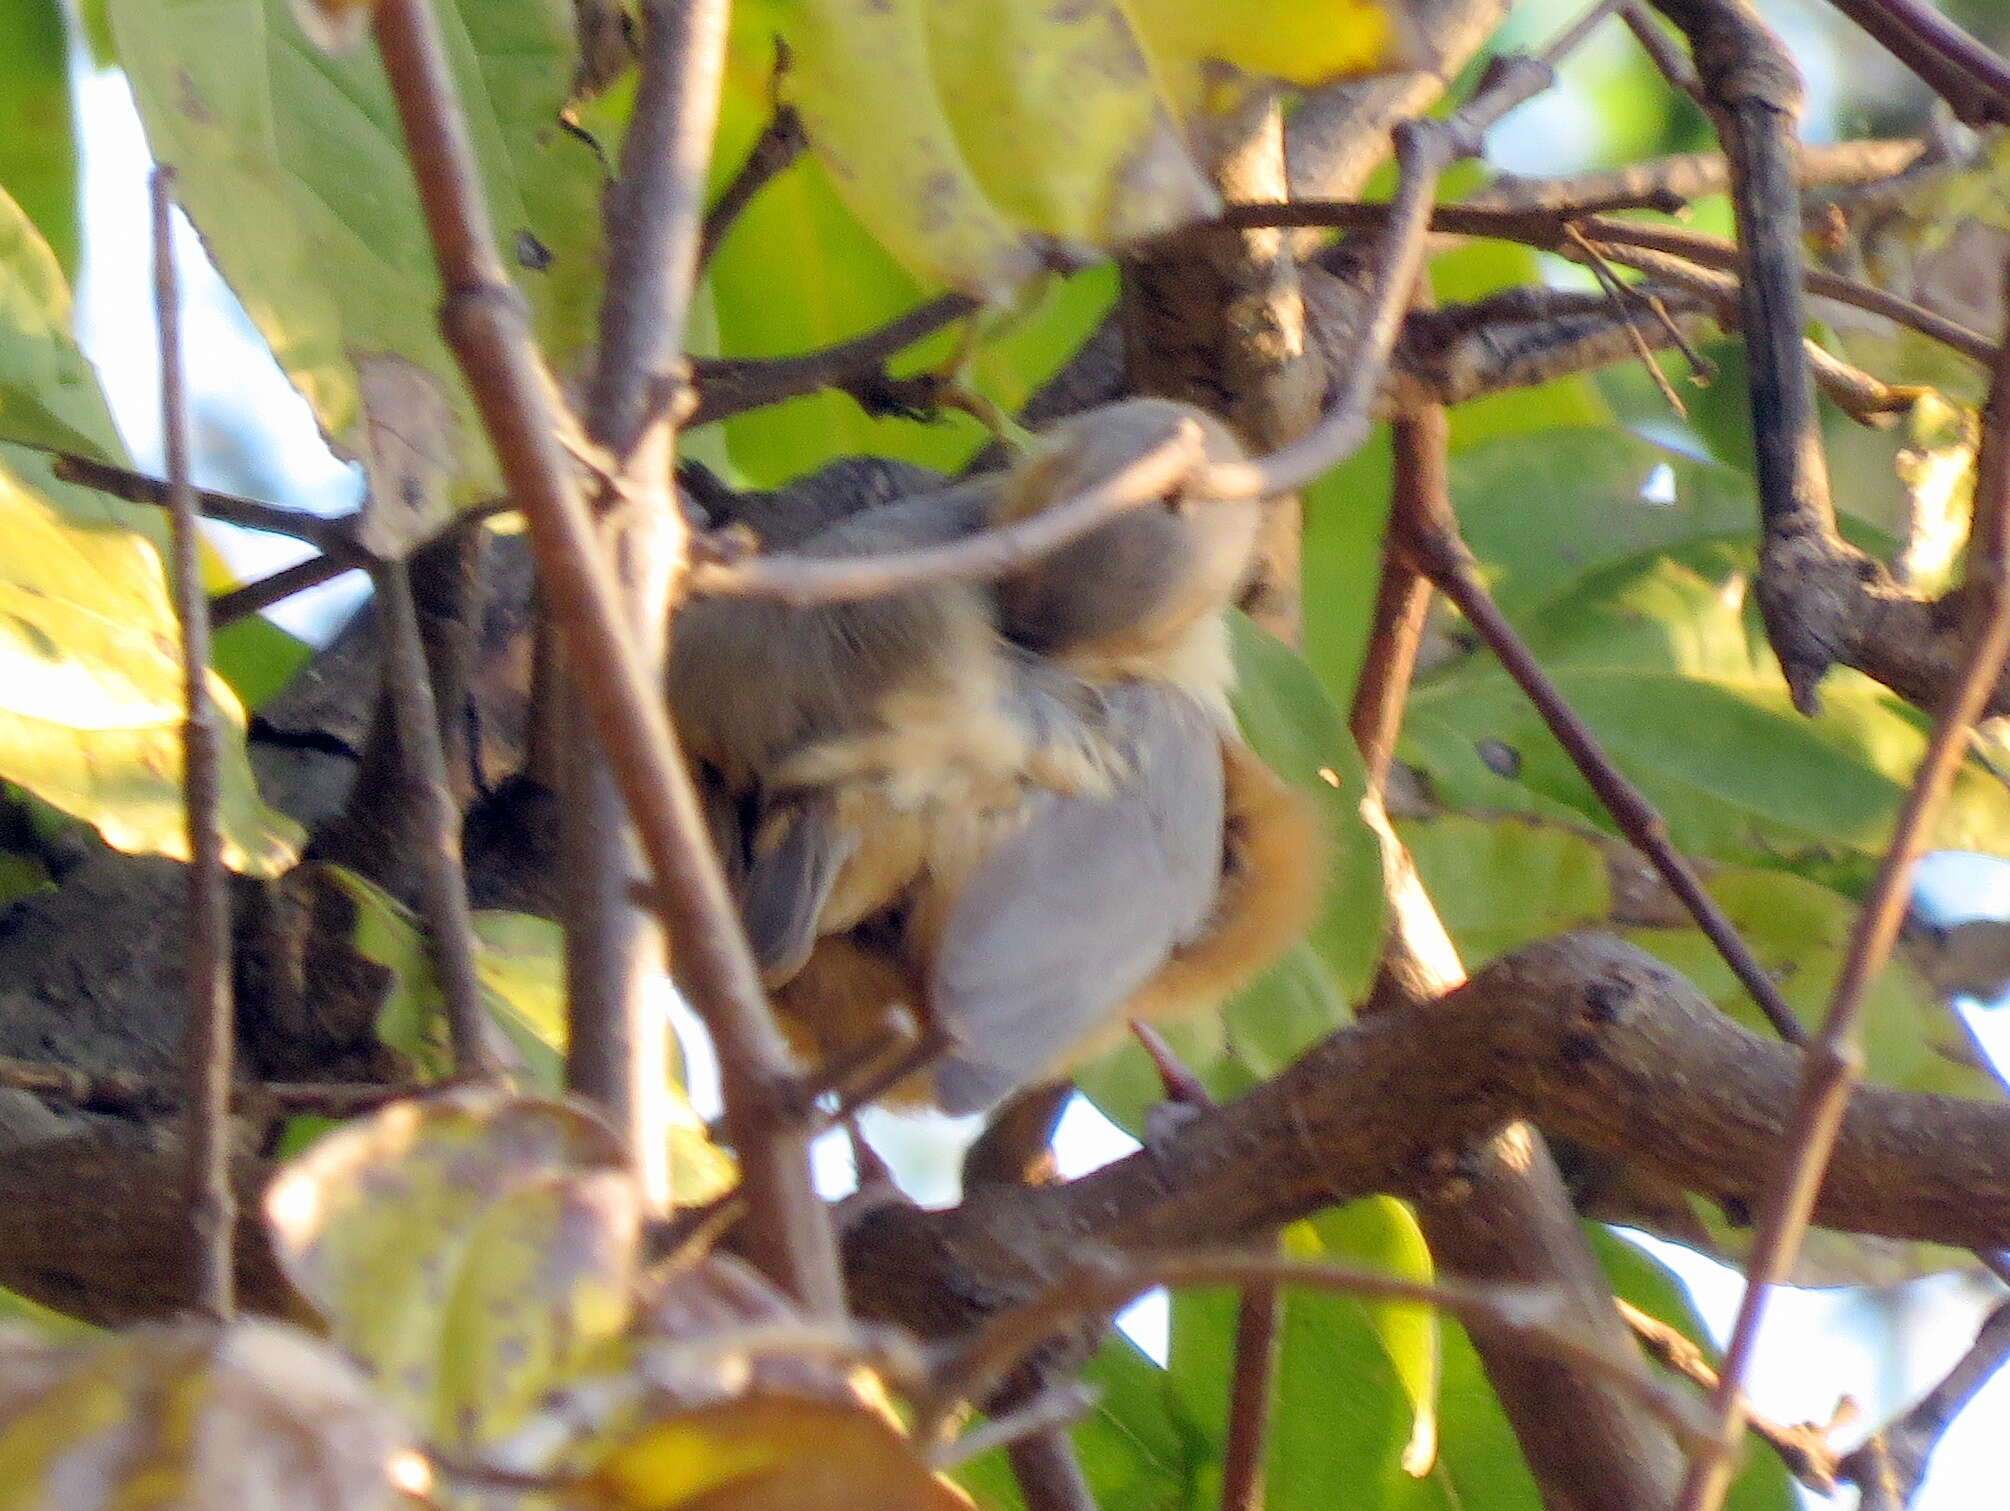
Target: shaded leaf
1502 883
1136 1445
49 394
38 142
1663 657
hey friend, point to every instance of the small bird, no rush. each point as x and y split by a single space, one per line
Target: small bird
1020 811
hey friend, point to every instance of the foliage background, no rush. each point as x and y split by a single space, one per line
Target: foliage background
1610 109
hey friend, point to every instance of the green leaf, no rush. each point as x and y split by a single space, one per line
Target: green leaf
257 658
1662 656
798 272
520 961
1543 515
1344 514
1289 721
517 958
292 165
1356 1381
38 142
1503 883
49 394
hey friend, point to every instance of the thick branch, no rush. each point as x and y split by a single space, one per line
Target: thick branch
1587 1035
487 329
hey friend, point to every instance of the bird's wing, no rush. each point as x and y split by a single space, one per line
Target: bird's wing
791 866
1065 919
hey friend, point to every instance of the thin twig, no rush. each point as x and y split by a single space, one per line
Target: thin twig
1402 597
435 830
1620 295
1101 1287
1804 1449
487 328
1668 183
1252 1382
1971 78
207 1030
1051 1411
780 143
1865 398
123 1092
804 580
1546 232
331 535
729 386
1443 557
277 587
1897 1454
1834 1059
618 1044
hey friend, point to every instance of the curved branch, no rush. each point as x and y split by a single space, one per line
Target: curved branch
1587 1036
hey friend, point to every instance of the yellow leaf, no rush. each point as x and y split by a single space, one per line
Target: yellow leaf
1306 43
1057 113
770 1453
860 78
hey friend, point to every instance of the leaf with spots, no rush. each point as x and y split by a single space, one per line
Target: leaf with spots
467 1250
1662 655
292 165
257 1417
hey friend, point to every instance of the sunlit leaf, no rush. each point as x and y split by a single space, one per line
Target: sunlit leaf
292 164
91 690
861 77
466 1250
49 394
1355 1414
768 1453
1069 137
1302 42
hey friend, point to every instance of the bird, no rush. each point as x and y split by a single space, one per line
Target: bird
1018 811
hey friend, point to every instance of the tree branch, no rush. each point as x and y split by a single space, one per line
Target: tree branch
208 1044
486 328
1835 1060
617 1044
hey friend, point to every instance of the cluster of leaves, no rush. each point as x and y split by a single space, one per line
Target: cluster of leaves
977 181
1617 539
474 1268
